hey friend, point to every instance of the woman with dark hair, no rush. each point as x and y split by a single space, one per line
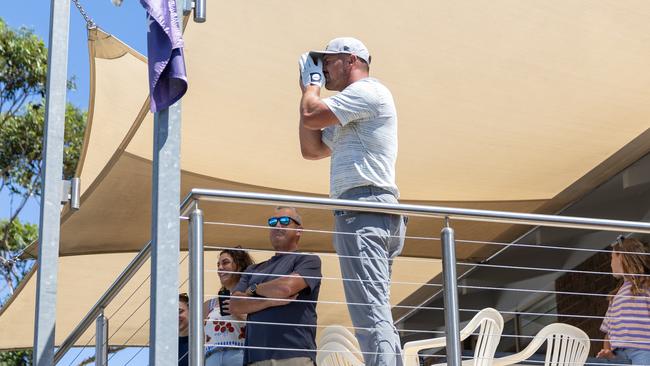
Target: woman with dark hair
627 322
225 333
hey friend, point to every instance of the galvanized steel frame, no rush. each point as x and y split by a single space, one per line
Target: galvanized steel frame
52 171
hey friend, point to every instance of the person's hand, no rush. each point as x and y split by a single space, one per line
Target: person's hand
606 353
311 73
225 306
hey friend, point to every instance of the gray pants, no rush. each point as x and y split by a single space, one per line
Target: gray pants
375 241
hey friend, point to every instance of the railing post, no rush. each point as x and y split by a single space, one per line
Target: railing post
101 340
195 247
450 291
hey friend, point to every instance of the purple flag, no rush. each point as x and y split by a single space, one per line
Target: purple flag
167 76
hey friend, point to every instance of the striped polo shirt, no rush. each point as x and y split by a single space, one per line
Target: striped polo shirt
627 322
364 143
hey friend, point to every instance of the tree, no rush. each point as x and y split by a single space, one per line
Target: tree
23 69
15 358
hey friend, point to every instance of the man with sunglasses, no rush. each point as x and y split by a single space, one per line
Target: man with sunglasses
266 292
358 128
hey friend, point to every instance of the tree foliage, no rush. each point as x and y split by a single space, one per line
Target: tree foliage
18 236
20 153
15 358
23 71
23 68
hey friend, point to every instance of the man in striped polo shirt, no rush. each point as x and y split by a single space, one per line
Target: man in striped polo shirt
358 128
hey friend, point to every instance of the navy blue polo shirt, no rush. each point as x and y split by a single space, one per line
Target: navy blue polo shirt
304 313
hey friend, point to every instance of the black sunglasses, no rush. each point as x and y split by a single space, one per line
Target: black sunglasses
283 220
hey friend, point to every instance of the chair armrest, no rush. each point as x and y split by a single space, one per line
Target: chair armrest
413 347
523 355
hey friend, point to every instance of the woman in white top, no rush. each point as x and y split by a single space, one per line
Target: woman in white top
225 333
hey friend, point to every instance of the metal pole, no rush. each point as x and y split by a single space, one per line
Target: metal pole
108 296
165 233
450 290
187 6
101 340
51 179
196 288
165 236
517 320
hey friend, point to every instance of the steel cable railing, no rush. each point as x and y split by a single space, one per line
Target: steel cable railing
396 283
410 237
345 303
129 339
427 284
125 321
492 216
134 333
410 331
230 196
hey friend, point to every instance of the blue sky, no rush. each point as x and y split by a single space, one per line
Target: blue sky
128 23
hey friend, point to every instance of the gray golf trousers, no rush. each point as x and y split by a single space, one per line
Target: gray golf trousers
366 244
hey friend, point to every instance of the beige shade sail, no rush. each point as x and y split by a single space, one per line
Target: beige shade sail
508 105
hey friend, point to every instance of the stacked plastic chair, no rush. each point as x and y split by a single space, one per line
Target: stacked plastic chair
337 346
335 354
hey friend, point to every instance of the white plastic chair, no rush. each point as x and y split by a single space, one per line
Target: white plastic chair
336 354
335 337
566 346
339 329
489 324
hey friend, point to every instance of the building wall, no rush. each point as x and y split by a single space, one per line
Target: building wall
586 305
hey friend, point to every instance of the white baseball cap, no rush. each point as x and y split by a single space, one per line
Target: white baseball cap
348 45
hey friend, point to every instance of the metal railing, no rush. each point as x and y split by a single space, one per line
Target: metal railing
190 208
191 203
107 297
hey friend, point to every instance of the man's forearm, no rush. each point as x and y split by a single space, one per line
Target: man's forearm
245 304
282 287
314 113
311 144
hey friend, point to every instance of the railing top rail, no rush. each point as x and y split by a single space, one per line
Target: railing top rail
505 217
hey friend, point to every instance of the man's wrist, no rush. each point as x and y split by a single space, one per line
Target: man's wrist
313 87
252 291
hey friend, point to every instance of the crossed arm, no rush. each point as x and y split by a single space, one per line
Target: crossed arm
285 288
314 116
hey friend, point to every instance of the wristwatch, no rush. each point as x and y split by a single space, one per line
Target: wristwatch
252 290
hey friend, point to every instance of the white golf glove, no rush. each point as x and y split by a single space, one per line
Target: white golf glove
311 72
